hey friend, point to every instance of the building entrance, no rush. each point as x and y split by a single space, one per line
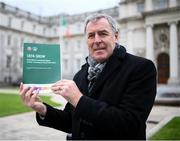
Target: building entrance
163 68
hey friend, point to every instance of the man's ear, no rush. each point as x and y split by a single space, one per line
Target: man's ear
117 36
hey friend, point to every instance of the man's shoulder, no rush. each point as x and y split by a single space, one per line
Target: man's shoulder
123 54
140 62
137 61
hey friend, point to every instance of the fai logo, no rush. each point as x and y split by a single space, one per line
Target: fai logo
32 49
29 48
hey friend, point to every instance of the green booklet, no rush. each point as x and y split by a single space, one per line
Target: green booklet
41 65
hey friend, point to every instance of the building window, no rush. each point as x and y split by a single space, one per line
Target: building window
140 7
21 62
22 25
44 31
65 64
15 42
66 46
34 28
8 61
55 31
2 40
78 63
9 21
22 43
123 35
79 44
78 27
160 4
9 40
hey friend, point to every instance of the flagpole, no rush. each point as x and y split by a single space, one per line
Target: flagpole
60 29
61 42
63 32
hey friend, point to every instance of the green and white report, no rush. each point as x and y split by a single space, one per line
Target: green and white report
41 65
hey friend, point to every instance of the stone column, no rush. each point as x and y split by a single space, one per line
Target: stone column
130 41
172 3
1 54
149 42
148 4
174 78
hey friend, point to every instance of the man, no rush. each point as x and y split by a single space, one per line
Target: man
109 98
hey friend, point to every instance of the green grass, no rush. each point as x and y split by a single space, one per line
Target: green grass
171 131
11 104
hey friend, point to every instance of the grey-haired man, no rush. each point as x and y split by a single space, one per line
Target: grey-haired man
109 98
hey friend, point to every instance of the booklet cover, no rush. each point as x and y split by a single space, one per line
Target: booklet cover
41 65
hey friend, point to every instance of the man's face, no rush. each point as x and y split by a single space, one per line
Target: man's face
100 39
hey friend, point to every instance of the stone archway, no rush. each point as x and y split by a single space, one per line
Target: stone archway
163 68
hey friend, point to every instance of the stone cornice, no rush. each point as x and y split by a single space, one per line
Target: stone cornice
23 32
161 11
132 18
38 35
149 13
128 1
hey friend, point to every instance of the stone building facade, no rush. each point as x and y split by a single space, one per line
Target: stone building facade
148 28
151 28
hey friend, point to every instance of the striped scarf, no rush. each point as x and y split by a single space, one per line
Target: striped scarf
93 71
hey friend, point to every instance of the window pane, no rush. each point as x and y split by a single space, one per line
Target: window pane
140 7
8 61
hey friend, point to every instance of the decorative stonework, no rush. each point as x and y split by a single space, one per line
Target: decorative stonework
161 36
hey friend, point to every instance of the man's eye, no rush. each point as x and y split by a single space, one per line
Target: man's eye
90 35
103 34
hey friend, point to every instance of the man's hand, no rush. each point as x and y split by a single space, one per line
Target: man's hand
32 100
69 90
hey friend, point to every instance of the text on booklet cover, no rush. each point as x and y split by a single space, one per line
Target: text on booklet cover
41 63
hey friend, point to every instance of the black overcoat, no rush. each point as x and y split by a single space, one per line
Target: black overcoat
118 105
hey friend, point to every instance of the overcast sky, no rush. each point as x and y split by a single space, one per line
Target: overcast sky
54 7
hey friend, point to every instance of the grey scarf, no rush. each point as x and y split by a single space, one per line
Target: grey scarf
93 71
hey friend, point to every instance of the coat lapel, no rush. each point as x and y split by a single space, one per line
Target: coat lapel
114 61
83 86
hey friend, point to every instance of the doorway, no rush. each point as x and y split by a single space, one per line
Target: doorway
163 68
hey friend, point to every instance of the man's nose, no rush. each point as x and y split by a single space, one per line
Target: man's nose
97 38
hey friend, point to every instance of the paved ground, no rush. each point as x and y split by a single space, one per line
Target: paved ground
25 127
